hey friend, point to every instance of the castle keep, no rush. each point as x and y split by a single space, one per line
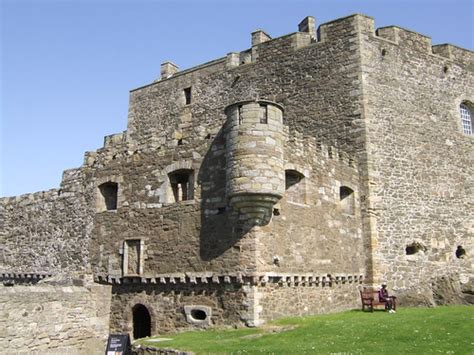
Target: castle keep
271 182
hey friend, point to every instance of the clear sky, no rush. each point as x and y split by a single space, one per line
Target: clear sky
67 66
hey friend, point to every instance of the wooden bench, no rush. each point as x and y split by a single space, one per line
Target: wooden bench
370 299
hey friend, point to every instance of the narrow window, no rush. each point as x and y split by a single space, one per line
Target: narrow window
263 114
346 197
240 109
292 177
107 197
466 119
132 257
187 95
295 186
181 182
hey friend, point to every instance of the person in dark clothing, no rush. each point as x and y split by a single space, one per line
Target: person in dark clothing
388 300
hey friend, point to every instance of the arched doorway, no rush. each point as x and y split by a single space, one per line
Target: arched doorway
141 321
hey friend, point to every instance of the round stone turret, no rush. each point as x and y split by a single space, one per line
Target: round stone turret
255 170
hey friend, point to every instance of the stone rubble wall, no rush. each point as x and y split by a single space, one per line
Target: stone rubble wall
51 319
46 232
420 173
164 133
282 300
166 305
310 231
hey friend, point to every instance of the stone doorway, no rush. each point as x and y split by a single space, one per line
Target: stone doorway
141 321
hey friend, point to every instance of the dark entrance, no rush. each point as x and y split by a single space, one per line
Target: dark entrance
141 322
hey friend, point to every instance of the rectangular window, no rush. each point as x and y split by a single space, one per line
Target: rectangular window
133 257
263 114
182 182
240 114
187 95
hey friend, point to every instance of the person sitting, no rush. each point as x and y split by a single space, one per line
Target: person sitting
390 301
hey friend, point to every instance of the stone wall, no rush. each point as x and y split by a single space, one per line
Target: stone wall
302 299
54 319
311 230
419 161
166 304
166 134
47 232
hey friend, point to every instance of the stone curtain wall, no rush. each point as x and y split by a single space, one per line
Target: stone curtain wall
54 319
166 305
420 164
46 232
286 300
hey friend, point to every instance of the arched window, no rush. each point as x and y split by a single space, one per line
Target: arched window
466 118
346 197
107 197
295 186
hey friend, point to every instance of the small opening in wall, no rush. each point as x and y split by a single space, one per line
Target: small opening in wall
445 69
460 252
108 196
221 210
182 184
239 112
346 197
180 142
187 95
384 52
198 314
292 177
208 136
276 211
295 186
414 248
263 114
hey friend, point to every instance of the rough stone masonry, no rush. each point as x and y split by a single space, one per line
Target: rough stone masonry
274 181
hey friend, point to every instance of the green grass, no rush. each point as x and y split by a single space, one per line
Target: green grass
444 330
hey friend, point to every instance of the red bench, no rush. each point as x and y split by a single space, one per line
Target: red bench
370 299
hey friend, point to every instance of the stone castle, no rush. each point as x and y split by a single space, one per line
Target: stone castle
271 182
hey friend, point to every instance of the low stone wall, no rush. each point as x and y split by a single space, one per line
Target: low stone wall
50 319
282 300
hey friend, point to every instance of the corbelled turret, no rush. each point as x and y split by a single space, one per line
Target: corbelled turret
255 171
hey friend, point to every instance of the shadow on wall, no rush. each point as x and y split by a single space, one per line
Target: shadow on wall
221 229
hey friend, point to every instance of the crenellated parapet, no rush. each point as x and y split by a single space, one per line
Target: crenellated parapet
255 166
421 43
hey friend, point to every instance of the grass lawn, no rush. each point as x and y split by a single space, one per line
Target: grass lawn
445 330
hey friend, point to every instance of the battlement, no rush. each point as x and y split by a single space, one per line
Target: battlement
330 31
422 43
31 198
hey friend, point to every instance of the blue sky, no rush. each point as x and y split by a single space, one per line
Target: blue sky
67 66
